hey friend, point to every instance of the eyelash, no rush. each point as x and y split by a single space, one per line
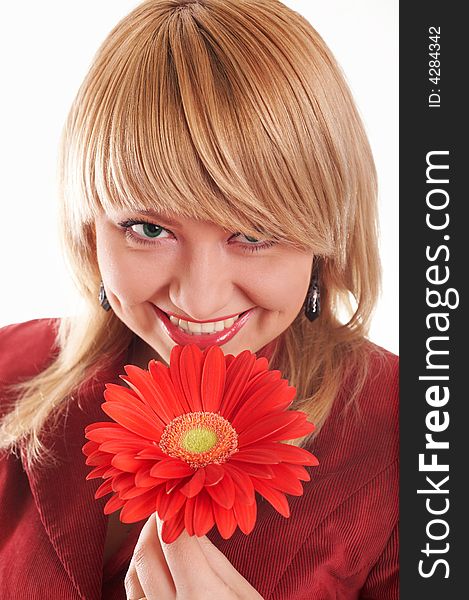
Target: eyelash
130 235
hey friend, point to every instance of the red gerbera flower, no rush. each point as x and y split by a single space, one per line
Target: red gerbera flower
194 441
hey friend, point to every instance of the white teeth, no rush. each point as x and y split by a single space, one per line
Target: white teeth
219 326
198 328
195 327
183 325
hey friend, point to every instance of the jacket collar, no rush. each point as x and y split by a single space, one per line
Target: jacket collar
73 519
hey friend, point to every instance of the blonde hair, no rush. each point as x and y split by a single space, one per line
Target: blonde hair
233 112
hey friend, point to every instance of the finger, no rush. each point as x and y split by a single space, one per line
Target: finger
225 570
133 589
190 570
150 565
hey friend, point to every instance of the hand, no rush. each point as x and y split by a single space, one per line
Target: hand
188 568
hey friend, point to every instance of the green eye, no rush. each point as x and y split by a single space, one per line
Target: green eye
148 229
255 244
151 230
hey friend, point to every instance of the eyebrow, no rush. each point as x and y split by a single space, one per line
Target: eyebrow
156 215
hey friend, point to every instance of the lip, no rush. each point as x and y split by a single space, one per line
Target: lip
207 321
203 341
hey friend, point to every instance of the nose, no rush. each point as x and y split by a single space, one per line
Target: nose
202 287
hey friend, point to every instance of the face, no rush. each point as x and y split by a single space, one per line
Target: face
175 280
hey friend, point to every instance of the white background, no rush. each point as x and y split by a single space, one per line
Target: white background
46 48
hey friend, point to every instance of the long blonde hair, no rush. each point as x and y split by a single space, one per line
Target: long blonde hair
235 112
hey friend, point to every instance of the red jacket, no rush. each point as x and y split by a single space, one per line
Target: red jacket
339 543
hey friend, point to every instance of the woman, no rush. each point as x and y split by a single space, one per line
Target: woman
214 167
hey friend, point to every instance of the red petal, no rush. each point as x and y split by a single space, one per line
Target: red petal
144 479
260 380
175 374
139 508
141 420
203 515
262 471
161 376
89 448
195 484
171 468
285 480
152 453
245 515
269 427
173 528
98 459
288 453
135 492
104 488
272 398
244 489
237 378
276 498
191 363
113 504
112 472
261 365
224 519
298 429
116 446
126 462
119 393
123 482
189 515
294 488
98 472
213 379
223 492
169 504
255 455
144 384
300 472
117 432
99 425
174 484
213 474
260 412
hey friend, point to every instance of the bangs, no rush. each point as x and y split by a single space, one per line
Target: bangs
184 115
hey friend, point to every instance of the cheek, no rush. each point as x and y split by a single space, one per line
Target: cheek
133 283
283 289
130 275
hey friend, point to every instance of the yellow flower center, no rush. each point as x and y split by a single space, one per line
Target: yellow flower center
199 438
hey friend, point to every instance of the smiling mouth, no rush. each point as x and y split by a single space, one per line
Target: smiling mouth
217 332
203 328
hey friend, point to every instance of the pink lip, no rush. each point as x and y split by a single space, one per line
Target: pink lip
207 321
204 340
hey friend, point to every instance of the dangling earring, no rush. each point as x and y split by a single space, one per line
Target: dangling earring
313 297
103 298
